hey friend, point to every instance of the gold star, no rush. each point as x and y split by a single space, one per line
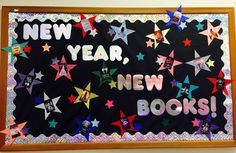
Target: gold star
112 84
85 95
210 63
46 48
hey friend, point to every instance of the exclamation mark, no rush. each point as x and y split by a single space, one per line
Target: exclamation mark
213 106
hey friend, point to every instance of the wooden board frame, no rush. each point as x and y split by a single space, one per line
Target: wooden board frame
109 145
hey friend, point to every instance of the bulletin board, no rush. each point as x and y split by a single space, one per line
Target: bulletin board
89 78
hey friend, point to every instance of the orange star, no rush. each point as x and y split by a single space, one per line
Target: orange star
46 48
187 42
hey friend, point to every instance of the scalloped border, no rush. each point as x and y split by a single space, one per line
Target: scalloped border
161 136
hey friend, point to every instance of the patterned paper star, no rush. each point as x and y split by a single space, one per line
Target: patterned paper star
53 123
49 105
112 84
149 43
220 83
72 98
158 36
183 25
187 42
186 88
95 122
124 123
85 127
206 127
122 32
16 49
85 95
109 104
211 33
199 26
140 56
199 63
27 49
46 48
105 74
196 122
63 69
39 75
169 63
176 18
27 81
14 130
86 24
210 63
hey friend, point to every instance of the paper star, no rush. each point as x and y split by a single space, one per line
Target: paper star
105 74
186 88
122 32
199 63
49 105
187 42
55 60
27 49
38 100
196 122
159 36
149 43
206 127
16 49
211 33
84 127
27 81
109 104
112 84
86 24
220 83
72 98
85 95
63 69
124 123
93 32
14 130
111 32
95 123
176 17
53 123
174 83
39 75
210 63
165 122
137 127
159 60
199 26
140 56
169 63
46 48
183 25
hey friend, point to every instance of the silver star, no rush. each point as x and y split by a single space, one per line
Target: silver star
159 60
183 25
55 60
39 75
93 32
95 122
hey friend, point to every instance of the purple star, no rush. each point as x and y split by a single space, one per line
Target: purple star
27 81
55 60
25 131
205 127
173 83
111 32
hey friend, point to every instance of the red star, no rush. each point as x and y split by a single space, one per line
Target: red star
27 49
196 122
187 42
214 81
72 98
83 24
129 125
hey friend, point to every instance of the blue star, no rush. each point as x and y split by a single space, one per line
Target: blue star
176 17
199 26
121 32
186 88
53 124
38 100
137 127
85 127
140 56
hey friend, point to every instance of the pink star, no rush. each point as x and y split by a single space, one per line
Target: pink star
196 122
14 131
109 104
211 33
172 64
149 43
63 69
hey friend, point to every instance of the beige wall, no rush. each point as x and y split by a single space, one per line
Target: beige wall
133 3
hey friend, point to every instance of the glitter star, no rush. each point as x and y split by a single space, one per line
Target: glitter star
109 104
149 43
72 98
111 32
183 25
46 48
187 42
95 122
140 56
210 63
27 49
53 123
196 122
199 26
39 75
112 84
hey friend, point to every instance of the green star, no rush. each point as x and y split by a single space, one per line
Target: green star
53 124
199 26
140 56
16 49
105 74
165 122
